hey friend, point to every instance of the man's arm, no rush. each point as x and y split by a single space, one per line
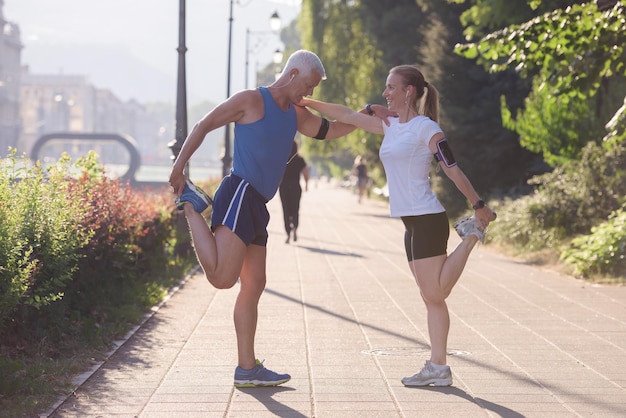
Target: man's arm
315 126
230 110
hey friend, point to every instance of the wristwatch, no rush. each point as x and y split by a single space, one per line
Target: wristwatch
479 205
368 108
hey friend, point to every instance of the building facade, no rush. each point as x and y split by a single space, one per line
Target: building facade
62 103
53 104
34 104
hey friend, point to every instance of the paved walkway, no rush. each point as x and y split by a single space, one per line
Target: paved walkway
343 316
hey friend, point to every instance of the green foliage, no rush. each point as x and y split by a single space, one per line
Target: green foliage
393 32
70 244
551 125
572 49
522 224
487 15
484 16
352 64
601 252
569 201
569 53
82 257
129 232
40 236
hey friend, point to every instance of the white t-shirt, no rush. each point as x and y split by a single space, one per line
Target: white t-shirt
406 158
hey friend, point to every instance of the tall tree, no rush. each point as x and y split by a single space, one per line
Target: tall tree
359 41
576 60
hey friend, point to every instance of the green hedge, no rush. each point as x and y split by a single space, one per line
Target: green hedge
74 243
82 258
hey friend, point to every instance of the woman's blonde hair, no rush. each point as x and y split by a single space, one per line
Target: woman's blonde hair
426 100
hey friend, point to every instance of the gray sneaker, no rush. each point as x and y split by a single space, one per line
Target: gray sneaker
467 226
429 376
258 376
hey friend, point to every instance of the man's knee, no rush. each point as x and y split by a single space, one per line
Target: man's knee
221 282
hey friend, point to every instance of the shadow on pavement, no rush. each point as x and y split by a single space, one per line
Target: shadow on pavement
484 404
345 318
264 396
330 252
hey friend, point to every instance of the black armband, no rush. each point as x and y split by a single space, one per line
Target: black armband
444 153
321 134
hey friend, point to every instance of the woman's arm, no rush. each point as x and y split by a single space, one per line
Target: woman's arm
346 115
484 214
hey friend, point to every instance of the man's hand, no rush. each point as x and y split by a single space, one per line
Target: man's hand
177 181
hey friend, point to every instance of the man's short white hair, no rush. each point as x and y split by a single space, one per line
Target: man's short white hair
305 62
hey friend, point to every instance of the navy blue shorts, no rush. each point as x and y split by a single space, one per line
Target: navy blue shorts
239 207
426 235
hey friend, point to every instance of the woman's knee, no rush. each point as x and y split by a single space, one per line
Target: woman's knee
434 296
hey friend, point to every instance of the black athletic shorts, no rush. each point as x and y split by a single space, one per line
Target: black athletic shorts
426 235
242 209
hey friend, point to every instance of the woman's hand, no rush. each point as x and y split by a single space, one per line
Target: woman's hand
484 216
305 101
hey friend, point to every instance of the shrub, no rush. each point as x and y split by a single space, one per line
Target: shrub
567 202
82 258
126 254
603 251
39 238
76 245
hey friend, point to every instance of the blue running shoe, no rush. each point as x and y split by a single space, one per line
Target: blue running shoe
194 195
258 376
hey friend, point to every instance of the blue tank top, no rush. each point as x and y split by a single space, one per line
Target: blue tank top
261 148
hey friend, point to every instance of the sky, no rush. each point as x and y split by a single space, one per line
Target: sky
129 46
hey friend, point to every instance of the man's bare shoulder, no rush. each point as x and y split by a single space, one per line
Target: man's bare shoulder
248 96
250 103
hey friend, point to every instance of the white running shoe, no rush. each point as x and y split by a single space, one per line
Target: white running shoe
467 226
430 375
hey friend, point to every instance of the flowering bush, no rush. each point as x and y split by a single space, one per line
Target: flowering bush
39 238
75 244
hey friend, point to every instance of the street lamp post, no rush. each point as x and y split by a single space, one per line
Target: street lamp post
226 158
274 28
181 90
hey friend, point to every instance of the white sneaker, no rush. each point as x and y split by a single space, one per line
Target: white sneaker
467 226
429 375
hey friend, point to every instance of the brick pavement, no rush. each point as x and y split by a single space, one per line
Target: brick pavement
343 316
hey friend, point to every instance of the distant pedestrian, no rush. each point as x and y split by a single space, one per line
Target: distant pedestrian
362 178
408 147
290 191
